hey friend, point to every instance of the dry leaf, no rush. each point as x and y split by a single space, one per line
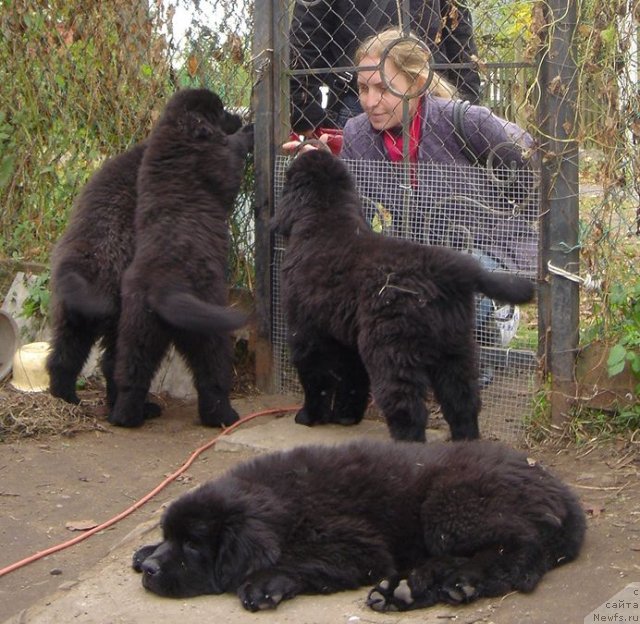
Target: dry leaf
555 86
80 525
192 65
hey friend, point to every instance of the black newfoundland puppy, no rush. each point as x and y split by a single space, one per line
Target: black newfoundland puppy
175 290
425 523
87 266
366 311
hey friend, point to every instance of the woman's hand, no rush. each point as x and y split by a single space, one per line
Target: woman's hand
295 147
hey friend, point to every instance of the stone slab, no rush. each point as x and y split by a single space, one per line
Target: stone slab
283 432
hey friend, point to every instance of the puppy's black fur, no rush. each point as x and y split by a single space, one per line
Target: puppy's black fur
427 523
174 290
87 264
369 311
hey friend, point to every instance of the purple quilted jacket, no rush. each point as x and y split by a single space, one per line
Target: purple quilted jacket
438 141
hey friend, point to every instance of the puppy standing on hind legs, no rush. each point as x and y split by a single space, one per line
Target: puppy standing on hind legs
401 313
86 269
174 290
87 265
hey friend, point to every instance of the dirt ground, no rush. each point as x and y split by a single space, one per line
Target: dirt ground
51 485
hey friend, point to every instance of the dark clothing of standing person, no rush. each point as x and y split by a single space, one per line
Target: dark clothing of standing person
325 34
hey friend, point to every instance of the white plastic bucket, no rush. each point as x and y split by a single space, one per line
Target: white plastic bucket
29 367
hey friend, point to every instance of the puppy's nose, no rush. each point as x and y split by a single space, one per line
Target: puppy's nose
150 566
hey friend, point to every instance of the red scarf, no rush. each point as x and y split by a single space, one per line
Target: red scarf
393 143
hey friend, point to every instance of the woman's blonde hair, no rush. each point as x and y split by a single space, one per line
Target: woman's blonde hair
410 55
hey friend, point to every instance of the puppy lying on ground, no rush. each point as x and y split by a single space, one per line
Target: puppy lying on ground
174 290
369 311
87 266
426 523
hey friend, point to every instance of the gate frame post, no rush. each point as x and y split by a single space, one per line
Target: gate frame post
559 298
271 118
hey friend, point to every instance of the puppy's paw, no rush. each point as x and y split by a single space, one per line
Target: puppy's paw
266 590
255 598
459 588
151 410
344 418
417 590
304 418
65 392
140 555
117 418
222 416
392 594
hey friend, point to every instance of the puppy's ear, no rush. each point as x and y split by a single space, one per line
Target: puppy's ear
198 127
246 544
230 122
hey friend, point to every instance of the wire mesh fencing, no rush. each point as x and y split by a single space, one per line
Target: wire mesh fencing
389 84
564 72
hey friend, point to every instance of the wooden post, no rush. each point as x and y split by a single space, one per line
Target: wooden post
263 156
558 296
271 110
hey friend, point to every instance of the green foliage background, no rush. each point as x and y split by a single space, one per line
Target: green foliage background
79 82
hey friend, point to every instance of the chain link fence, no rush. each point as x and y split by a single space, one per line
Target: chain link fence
83 81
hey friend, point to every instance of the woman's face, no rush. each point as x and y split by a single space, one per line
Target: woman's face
383 107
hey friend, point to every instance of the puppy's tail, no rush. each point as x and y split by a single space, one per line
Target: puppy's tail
184 311
77 294
506 288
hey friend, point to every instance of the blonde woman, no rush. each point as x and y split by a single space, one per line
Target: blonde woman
394 68
325 34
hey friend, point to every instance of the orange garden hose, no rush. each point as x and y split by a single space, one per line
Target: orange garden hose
147 497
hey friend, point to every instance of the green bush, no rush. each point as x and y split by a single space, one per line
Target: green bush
625 306
74 92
